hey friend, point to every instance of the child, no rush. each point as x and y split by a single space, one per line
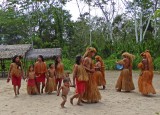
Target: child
65 89
67 77
99 73
16 74
50 84
59 68
81 77
31 84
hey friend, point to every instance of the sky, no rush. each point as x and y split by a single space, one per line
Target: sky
74 11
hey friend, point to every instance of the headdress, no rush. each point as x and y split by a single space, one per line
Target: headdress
89 50
130 56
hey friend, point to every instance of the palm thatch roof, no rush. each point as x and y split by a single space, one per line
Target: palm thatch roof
47 53
9 51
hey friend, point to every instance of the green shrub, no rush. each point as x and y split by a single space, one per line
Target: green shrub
156 63
110 64
68 64
136 61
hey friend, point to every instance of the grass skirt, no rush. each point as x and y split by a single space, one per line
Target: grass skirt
145 83
50 85
31 87
125 81
100 80
92 93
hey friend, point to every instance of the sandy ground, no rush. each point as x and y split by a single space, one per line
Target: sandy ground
112 103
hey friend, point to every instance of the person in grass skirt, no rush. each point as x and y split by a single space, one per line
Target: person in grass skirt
51 79
125 82
100 72
92 94
145 79
31 84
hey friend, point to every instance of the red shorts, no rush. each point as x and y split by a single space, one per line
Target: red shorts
31 82
41 78
58 80
16 81
80 86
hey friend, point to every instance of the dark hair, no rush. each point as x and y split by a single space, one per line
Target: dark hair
50 65
14 61
14 58
65 80
30 67
56 61
40 56
78 59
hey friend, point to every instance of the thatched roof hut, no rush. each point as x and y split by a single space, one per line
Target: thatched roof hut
9 51
26 51
47 53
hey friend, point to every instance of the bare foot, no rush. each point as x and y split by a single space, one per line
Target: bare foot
79 104
83 101
94 101
49 93
62 106
71 101
127 91
118 90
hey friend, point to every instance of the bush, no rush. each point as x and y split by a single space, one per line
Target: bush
157 63
110 64
68 64
136 61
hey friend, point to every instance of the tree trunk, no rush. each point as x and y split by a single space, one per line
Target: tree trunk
108 22
141 27
147 26
136 31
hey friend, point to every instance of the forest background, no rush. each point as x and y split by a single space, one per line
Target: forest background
47 24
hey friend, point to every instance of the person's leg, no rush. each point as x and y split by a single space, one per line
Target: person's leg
59 83
74 96
38 87
18 89
15 90
80 99
64 101
29 90
104 87
43 85
18 84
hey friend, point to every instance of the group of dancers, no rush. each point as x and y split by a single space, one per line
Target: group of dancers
125 81
87 76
